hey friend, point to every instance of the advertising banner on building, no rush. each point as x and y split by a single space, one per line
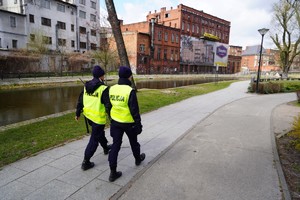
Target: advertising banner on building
221 54
196 51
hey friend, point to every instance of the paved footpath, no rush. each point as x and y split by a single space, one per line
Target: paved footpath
214 146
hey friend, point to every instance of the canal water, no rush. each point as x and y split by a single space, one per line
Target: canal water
25 104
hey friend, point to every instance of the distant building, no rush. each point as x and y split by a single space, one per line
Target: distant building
184 40
65 25
157 47
234 60
269 59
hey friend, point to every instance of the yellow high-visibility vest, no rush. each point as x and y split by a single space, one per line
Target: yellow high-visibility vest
93 109
119 96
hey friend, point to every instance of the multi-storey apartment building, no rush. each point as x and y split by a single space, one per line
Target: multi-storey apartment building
64 25
157 51
204 38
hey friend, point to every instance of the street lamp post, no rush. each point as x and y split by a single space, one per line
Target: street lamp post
262 31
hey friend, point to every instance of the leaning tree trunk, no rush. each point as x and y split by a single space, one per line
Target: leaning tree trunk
115 25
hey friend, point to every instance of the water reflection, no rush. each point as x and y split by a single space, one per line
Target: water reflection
21 105
25 104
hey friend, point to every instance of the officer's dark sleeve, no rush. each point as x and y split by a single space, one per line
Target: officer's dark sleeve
134 107
79 106
105 100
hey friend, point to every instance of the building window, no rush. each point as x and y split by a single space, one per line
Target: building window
142 48
31 18
82 45
93 18
61 7
47 40
173 38
62 42
82 2
177 38
158 53
159 35
166 36
82 14
14 43
93 4
13 22
61 25
46 21
72 43
176 55
165 54
82 30
188 27
72 27
45 4
93 46
16 1
167 15
1 2
93 32
182 27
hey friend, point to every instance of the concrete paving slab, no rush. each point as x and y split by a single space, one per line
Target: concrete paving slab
183 142
53 190
15 190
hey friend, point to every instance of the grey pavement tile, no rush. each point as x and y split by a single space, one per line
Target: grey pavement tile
41 176
58 152
96 190
78 177
55 190
130 161
127 174
32 163
78 143
154 148
9 173
15 190
67 162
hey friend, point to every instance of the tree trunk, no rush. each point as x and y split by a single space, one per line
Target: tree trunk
115 25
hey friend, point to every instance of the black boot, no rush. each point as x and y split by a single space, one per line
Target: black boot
86 164
138 161
114 175
107 149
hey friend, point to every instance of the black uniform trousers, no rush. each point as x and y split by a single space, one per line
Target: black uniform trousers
97 136
116 132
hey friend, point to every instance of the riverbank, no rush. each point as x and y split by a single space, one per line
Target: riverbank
25 140
14 83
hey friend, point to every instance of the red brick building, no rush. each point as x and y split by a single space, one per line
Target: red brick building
234 60
160 44
194 24
269 59
157 51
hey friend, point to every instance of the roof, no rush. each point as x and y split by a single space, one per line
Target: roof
252 50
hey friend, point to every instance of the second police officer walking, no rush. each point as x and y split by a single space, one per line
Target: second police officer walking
94 103
125 117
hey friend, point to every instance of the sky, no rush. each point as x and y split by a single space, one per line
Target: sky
246 16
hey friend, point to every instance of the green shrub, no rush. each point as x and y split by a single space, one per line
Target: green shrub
267 87
295 133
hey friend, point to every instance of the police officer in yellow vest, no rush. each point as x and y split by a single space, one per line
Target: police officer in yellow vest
125 117
94 102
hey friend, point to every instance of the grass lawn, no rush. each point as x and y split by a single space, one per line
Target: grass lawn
27 140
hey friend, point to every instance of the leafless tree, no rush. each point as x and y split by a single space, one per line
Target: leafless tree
286 33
